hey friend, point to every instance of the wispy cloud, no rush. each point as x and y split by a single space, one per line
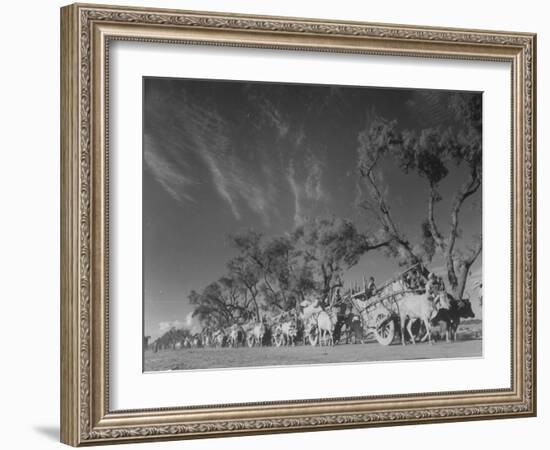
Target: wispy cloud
220 180
297 194
300 137
313 187
172 179
237 185
306 187
274 116
202 142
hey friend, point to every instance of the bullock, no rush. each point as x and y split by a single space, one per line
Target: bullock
290 331
325 325
356 329
255 334
285 333
206 337
196 341
236 336
317 319
348 329
309 308
414 307
450 317
218 338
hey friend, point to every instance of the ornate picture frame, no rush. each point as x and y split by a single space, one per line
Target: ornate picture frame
86 34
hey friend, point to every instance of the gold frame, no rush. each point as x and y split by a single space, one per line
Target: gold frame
86 31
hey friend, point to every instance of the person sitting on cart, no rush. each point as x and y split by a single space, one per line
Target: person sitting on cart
431 287
436 292
371 288
410 280
441 298
418 283
337 299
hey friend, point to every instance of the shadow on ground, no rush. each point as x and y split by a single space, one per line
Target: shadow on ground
49 431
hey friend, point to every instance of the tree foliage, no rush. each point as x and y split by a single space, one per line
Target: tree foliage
432 153
277 273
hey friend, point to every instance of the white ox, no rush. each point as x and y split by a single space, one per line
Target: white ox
309 308
314 316
325 325
255 334
415 307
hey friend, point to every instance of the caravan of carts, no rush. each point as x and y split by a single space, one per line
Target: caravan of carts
356 316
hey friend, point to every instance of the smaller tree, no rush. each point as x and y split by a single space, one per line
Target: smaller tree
246 268
328 246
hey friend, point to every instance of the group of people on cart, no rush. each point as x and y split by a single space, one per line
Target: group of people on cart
415 279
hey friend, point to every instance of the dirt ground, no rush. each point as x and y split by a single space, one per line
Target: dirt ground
209 358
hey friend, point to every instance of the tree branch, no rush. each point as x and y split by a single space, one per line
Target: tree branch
475 253
377 245
467 190
386 217
438 237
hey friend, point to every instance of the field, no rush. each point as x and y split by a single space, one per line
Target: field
208 358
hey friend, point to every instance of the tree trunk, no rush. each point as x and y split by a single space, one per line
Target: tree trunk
461 282
257 310
451 274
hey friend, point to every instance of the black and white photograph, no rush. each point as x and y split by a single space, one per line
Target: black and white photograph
290 224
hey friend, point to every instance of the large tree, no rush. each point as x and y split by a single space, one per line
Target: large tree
431 153
329 246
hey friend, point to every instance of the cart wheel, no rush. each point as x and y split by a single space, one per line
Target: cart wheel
386 332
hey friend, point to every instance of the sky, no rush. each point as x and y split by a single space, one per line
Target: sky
221 157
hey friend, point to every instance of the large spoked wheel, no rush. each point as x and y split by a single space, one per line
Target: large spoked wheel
385 329
313 336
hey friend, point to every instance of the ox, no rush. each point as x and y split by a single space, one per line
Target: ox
309 308
325 325
314 316
414 307
236 336
218 338
285 333
196 341
350 329
255 335
206 337
450 317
